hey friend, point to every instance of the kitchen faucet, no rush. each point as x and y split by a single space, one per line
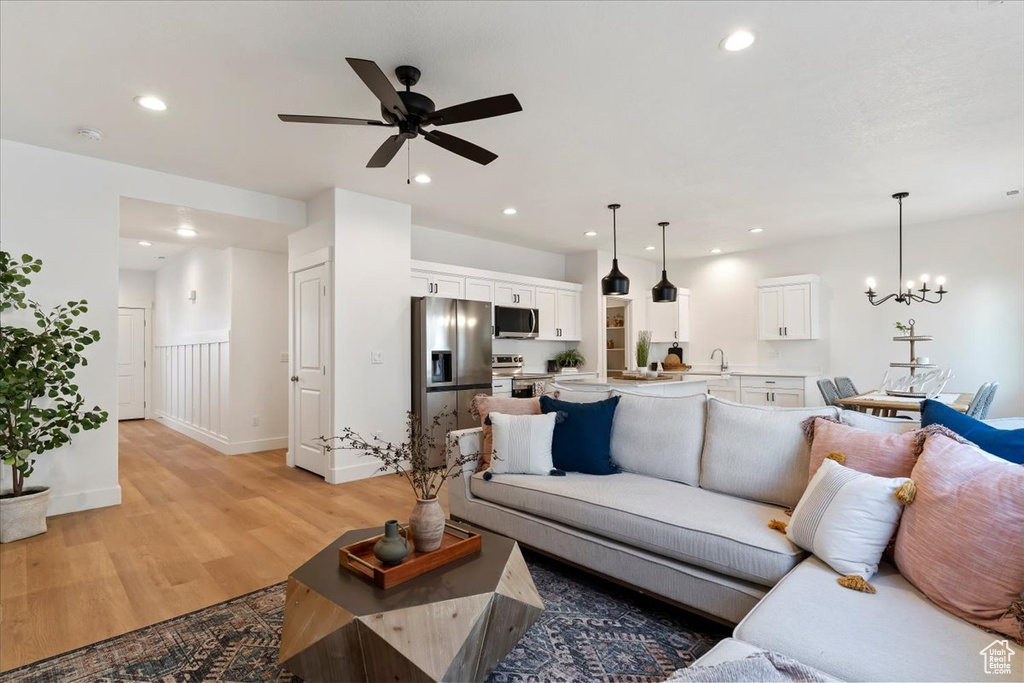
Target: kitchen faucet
725 364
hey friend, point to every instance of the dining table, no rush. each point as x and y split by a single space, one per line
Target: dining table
883 405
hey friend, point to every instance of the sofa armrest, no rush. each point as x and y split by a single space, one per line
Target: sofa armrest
465 442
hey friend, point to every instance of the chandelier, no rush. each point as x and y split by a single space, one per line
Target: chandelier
910 295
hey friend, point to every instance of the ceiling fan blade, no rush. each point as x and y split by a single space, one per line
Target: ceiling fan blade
378 84
475 110
302 118
386 152
459 146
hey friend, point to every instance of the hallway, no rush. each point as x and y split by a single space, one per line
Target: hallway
194 528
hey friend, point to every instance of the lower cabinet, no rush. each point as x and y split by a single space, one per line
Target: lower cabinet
725 388
779 392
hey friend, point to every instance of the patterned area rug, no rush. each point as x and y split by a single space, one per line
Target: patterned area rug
591 630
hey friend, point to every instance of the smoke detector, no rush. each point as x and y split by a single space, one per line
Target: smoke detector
90 134
1012 193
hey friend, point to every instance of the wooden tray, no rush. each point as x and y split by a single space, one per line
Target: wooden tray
456 543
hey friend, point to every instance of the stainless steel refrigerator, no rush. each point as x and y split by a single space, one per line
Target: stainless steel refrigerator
451 362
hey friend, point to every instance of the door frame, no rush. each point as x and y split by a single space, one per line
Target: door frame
320 257
147 358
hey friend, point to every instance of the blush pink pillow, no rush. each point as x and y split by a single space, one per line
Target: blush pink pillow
484 404
961 540
876 453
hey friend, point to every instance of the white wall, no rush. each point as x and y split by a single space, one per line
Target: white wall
440 246
136 287
180 320
259 337
978 327
371 313
63 208
319 232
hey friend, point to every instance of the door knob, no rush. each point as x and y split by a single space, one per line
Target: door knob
295 378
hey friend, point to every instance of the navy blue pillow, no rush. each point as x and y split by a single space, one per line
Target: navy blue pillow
1006 443
583 442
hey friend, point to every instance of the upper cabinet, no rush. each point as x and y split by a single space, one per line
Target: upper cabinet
670 321
557 303
789 308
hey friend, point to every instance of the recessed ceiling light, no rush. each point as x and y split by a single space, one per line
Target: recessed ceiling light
145 243
422 178
737 40
186 232
757 230
510 211
591 233
649 248
716 250
150 102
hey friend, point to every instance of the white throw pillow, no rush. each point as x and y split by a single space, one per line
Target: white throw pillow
846 518
881 425
522 443
659 436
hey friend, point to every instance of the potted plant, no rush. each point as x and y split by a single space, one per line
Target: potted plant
411 459
570 359
40 405
643 351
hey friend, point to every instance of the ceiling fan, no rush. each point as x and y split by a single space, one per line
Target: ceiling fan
410 112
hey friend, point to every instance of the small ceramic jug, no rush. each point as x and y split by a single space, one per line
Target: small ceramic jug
393 548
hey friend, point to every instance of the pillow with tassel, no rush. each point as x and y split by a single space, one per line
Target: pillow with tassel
846 519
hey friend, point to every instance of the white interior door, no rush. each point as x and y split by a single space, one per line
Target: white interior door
131 363
311 368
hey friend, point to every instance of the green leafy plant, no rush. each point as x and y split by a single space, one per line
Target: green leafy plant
643 348
40 404
571 358
901 328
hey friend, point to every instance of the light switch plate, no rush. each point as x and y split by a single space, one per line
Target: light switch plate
377 357
284 357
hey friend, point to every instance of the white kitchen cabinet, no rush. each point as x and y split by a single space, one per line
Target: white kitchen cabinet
767 390
788 308
501 386
513 294
727 388
424 283
559 313
669 321
478 289
756 397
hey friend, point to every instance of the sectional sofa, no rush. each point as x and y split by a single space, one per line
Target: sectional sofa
686 520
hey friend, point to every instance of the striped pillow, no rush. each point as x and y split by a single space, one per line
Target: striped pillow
961 541
846 518
522 443
483 405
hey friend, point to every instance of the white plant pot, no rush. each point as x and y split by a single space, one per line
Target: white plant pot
24 515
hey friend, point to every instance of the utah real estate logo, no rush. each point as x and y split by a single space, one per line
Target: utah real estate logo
997 657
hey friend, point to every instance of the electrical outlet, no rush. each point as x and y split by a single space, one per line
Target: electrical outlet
255 420
774 354
377 357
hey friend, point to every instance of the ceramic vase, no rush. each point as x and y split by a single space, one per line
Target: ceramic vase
427 524
393 548
23 516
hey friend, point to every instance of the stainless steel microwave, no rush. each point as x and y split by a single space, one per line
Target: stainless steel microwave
515 323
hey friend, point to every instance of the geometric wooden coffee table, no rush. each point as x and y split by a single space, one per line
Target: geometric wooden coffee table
452 624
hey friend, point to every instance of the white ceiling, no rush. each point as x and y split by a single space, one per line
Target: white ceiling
836 106
154 222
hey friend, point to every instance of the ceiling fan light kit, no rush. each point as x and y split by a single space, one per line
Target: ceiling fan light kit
410 111
615 283
664 291
908 295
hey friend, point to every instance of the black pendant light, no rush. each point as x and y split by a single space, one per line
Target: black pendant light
907 296
664 291
615 283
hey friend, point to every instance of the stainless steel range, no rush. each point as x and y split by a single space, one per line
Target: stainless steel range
523 383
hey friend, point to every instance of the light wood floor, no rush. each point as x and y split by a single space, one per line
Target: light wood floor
194 528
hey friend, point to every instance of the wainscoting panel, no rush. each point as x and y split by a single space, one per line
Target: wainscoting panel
192 388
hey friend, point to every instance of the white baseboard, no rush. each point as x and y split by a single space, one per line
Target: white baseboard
363 470
83 500
222 444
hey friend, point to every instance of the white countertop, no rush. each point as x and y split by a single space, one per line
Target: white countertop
646 383
746 370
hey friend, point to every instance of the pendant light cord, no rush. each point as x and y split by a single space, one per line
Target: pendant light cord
900 283
615 237
664 263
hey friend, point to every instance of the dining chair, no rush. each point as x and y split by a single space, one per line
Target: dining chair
982 400
844 385
828 391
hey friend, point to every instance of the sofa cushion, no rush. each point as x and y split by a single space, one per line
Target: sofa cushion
885 425
725 534
583 441
1006 443
757 453
961 541
659 436
576 394
896 635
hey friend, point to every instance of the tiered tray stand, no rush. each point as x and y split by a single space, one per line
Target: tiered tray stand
913 365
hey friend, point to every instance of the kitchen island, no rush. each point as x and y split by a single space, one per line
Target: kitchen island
687 386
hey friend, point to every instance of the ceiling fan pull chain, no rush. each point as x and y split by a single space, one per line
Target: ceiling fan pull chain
408 162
